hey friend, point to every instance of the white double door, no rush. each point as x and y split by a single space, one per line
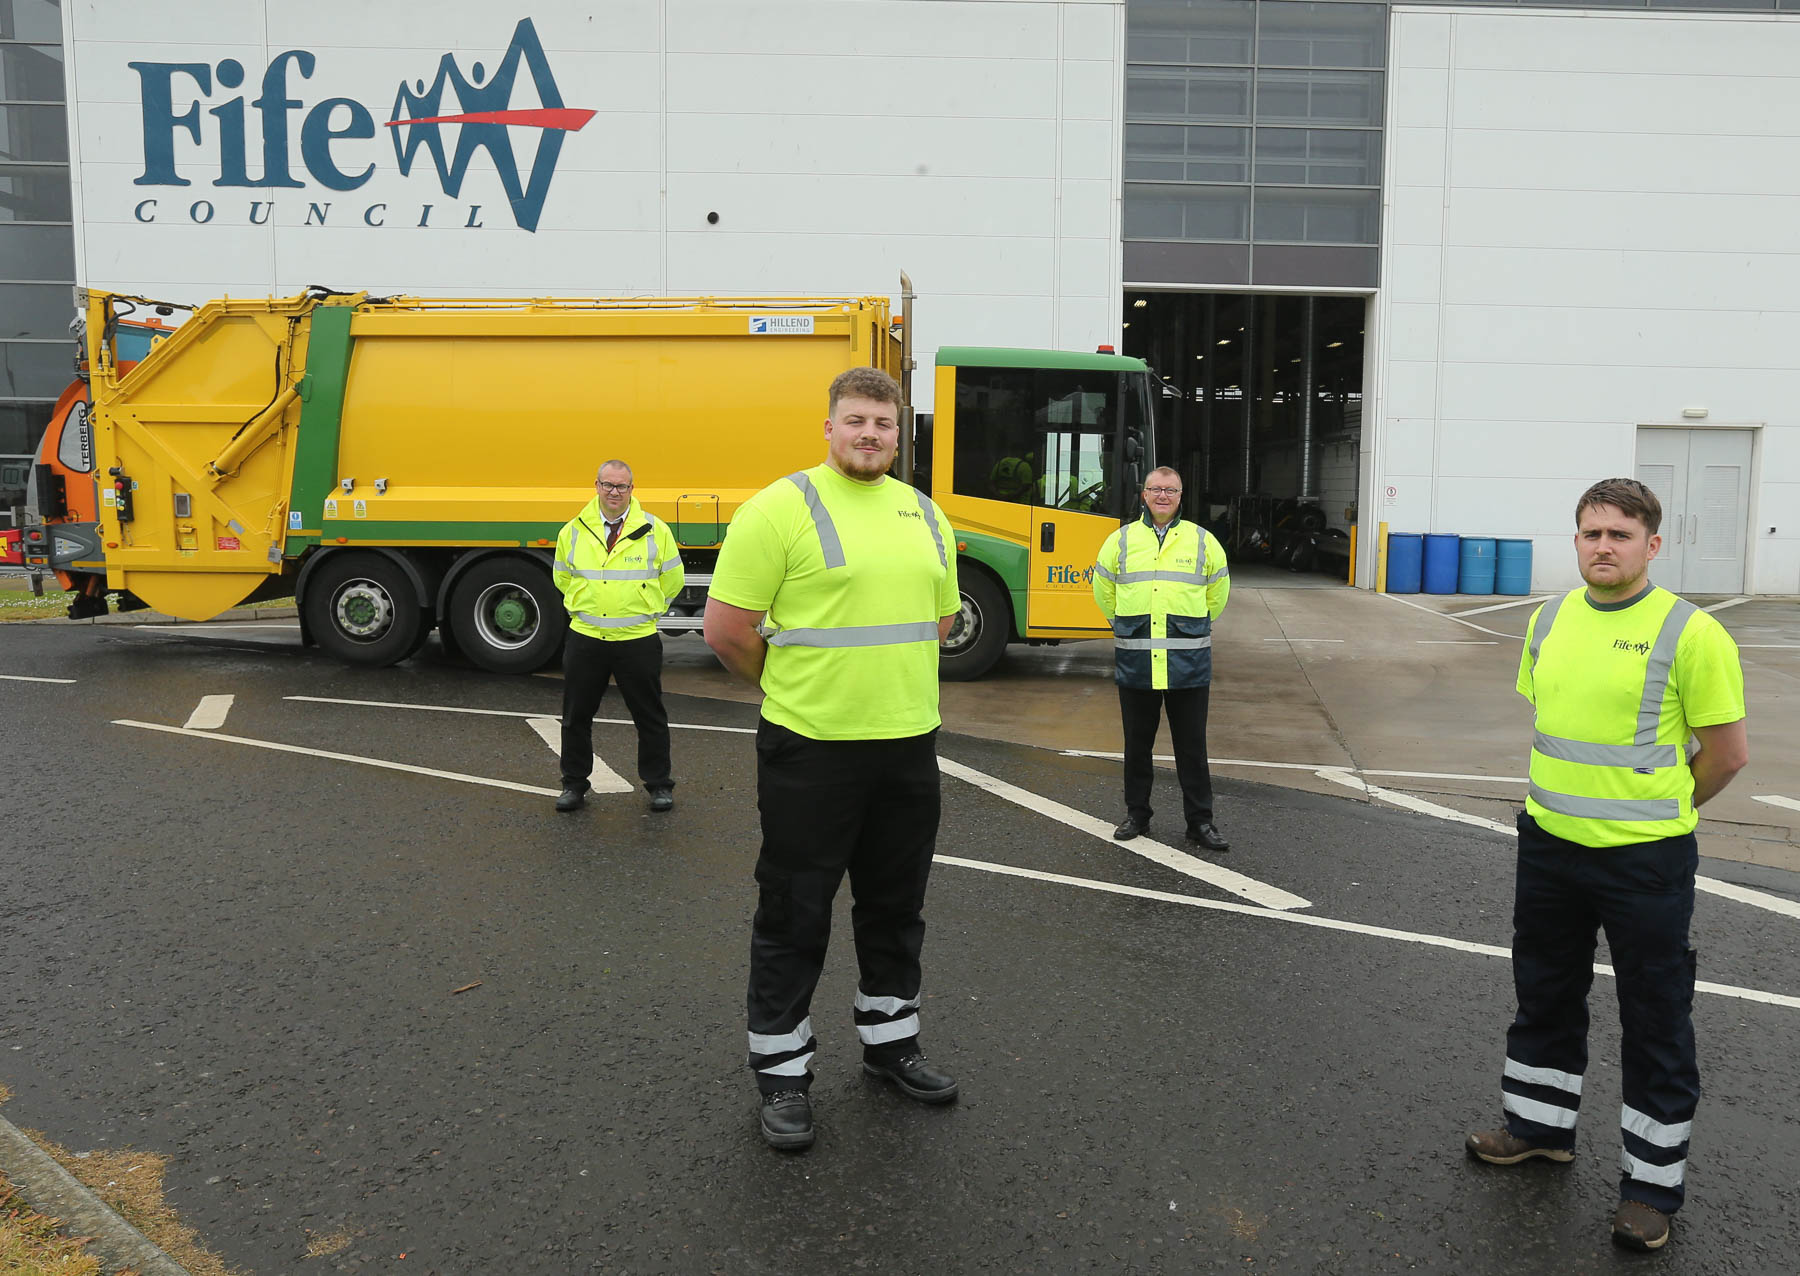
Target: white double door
1702 478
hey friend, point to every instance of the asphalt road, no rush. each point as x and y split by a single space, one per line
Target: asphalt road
249 959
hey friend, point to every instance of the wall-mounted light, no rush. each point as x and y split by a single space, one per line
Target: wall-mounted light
1139 304
1333 345
1225 341
1694 414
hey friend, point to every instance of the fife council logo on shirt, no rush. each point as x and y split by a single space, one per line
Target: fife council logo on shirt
459 120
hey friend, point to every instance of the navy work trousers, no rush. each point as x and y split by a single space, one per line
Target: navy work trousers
866 807
636 665
1643 895
1141 713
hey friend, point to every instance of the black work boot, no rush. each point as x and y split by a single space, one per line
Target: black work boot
662 799
1131 827
571 798
786 1120
1206 835
916 1078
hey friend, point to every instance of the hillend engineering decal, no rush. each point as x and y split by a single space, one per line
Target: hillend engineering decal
330 131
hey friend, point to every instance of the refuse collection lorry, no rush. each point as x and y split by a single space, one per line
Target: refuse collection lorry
403 464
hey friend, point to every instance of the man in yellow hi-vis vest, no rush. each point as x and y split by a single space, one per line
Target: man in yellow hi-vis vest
856 572
618 568
1162 581
1622 675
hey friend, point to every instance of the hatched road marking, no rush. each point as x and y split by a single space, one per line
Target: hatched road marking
209 714
603 780
1329 923
1773 800
1189 865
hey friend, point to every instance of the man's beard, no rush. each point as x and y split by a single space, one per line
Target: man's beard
867 465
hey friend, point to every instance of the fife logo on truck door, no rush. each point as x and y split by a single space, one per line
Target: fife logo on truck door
455 120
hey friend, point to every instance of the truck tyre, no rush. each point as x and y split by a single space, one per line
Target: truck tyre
363 609
981 629
506 616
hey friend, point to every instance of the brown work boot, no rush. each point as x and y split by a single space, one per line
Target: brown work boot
1640 1226
1503 1147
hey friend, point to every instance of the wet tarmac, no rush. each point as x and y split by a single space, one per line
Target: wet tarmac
419 1007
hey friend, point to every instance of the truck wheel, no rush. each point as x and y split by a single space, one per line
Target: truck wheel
980 631
506 615
363 609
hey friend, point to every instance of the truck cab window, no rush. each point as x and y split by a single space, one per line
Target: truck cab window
1036 436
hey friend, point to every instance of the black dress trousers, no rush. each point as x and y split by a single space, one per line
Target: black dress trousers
636 665
1141 712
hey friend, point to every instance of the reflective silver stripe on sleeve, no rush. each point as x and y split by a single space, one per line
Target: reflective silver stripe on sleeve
777 1042
1656 672
1633 756
1104 574
1161 644
1626 809
559 565
857 635
875 1034
574 539
1551 1077
612 622
885 1005
1545 619
667 563
1650 1130
1645 1172
931 522
1543 1113
829 544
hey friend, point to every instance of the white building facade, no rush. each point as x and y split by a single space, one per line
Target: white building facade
1563 238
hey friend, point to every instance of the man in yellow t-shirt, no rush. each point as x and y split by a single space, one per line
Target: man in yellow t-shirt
855 573
1621 675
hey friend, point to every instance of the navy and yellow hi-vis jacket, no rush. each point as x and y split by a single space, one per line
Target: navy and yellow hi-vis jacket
619 594
1162 598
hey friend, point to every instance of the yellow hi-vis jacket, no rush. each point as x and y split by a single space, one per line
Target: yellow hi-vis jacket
617 595
1162 598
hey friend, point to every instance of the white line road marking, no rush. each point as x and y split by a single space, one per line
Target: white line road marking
1312 766
506 713
1458 642
1303 640
1405 800
1327 923
209 714
1729 602
603 780
1744 895
1445 615
1773 800
339 757
19 677
1189 865
1517 602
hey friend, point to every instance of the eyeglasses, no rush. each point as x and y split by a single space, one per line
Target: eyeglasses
1163 491
617 489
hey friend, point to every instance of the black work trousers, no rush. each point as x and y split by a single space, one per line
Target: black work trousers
1643 895
636 665
868 807
1141 712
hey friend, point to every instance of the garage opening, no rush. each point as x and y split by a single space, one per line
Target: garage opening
1261 412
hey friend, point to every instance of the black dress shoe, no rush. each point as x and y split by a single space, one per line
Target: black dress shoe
662 799
916 1078
571 799
1130 828
787 1120
1208 836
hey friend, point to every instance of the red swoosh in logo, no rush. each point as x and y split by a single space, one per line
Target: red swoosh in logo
568 119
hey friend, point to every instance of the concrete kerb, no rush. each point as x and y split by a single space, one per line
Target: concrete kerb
49 1189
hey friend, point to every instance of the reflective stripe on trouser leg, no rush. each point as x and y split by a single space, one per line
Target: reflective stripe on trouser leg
784 1055
1541 1096
880 1020
1653 1154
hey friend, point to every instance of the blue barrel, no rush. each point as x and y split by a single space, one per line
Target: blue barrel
1441 549
1512 567
1476 575
1405 557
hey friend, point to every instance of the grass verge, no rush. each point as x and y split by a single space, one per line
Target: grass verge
130 1183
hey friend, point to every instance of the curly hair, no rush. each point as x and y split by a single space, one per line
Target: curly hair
1630 497
863 383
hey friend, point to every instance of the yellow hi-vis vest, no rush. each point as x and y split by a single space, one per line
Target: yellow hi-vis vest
1161 598
1617 693
854 578
618 595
